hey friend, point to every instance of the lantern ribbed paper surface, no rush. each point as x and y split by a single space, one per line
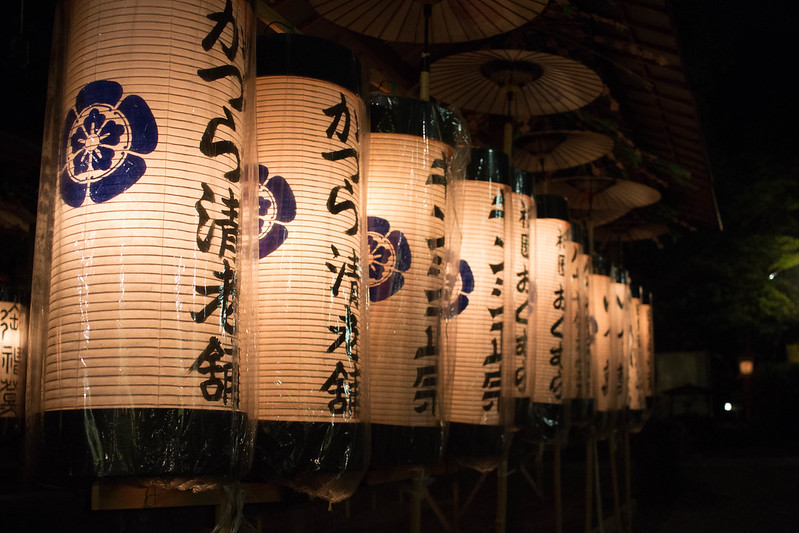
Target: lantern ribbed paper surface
13 332
312 322
477 378
635 392
552 324
586 395
620 341
140 301
407 208
522 209
647 347
601 347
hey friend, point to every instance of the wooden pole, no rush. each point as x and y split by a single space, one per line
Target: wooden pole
502 495
614 479
556 474
589 478
628 484
417 493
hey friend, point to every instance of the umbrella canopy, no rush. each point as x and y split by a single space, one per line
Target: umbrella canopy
515 83
451 21
597 194
631 230
547 151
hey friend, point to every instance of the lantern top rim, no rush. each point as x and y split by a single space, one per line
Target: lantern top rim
488 164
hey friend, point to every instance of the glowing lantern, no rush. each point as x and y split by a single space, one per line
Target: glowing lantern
579 389
620 340
552 328
139 312
312 322
522 210
407 207
13 336
477 382
601 362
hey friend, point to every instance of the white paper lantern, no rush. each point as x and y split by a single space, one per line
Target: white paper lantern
138 296
312 321
601 363
407 208
647 347
523 213
477 376
581 391
635 390
552 325
13 333
620 339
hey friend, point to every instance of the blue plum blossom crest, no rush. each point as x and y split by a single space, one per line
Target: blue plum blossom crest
103 137
389 257
276 207
463 286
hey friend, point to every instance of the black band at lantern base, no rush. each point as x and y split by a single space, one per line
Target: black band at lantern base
582 412
285 448
475 445
604 423
169 443
635 420
544 422
405 445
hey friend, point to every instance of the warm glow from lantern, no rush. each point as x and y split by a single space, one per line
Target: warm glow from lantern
12 359
586 382
406 202
646 343
620 342
573 362
311 312
146 225
601 344
522 211
635 386
483 328
552 237
746 367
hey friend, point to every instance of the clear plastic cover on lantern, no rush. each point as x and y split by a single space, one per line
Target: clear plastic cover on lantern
477 387
312 135
601 361
141 303
545 418
412 144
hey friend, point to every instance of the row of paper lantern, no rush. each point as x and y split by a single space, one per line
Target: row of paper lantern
381 285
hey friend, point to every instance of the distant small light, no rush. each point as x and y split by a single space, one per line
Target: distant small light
772 275
728 406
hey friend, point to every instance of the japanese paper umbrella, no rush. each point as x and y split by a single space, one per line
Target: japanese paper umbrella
450 21
594 193
547 151
631 230
515 83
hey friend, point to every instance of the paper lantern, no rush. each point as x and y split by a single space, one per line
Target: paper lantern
407 208
620 341
548 414
579 391
13 336
477 388
635 391
312 322
601 362
139 303
522 209
647 347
